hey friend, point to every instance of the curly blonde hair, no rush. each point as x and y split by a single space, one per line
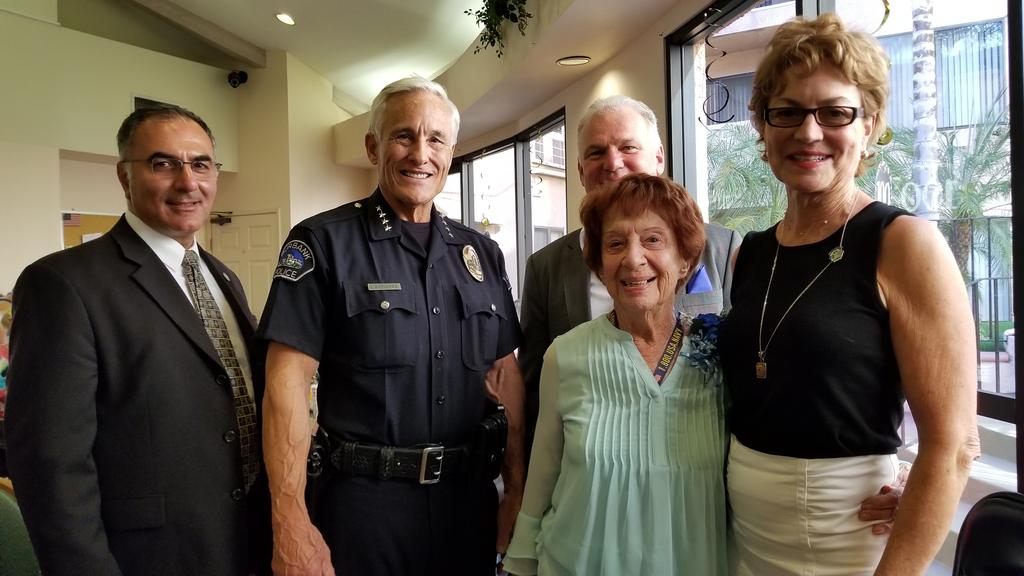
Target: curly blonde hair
802 46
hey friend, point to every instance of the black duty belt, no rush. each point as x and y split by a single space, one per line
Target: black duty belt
426 464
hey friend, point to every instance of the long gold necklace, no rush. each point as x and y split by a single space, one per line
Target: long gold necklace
834 255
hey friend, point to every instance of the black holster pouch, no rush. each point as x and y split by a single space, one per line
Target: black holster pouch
488 448
318 470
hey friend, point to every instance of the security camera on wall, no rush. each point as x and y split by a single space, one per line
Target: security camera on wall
237 77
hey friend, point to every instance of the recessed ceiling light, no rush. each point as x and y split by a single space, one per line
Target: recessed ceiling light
285 18
574 60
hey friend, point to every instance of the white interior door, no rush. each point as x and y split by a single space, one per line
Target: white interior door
249 245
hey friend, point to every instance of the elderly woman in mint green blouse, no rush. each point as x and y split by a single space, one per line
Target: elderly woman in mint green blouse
626 474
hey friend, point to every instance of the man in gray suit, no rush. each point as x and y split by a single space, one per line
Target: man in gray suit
617 136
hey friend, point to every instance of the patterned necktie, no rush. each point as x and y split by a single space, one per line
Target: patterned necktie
217 329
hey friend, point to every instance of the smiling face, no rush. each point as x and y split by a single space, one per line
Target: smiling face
617 142
414 152
640 263
810 158
176 204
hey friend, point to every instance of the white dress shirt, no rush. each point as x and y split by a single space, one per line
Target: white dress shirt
600 300
172 253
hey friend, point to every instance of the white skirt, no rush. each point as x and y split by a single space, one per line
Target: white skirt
793 516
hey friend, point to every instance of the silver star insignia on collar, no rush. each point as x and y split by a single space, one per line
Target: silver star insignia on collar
383 219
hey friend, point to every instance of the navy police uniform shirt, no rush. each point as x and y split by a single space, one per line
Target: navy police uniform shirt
404 334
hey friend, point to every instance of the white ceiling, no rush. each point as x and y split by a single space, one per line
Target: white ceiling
358 45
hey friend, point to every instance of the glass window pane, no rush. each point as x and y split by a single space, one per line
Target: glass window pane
547 186
449 200
494 206
742 192
969 160
949 114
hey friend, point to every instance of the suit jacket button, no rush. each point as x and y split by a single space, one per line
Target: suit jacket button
237 494
223 380
230 436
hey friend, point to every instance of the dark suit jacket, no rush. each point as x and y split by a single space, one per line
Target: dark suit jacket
556 299
116 418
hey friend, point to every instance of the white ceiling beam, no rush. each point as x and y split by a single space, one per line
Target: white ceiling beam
233 45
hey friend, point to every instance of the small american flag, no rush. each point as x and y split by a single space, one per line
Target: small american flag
72 219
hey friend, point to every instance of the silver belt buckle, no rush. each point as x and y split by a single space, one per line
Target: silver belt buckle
430 464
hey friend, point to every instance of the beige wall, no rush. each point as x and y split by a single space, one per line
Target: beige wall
89 185
71 90
31 207
40 9
286 164
66 92
316 182
261 181
64 95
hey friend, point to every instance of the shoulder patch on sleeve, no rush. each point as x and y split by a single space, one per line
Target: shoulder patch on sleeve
296 261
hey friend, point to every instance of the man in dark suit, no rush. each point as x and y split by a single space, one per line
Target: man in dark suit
617 136
131 426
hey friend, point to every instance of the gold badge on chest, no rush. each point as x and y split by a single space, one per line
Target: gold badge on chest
472 262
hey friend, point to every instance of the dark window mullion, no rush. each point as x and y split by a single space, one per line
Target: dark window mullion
1015 41
524 207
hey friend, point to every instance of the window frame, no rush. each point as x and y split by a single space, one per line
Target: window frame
1015 57
523 199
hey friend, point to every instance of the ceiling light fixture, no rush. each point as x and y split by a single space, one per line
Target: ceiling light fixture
286 19
574 60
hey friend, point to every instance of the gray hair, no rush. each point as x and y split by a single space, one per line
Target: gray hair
616 102
410 84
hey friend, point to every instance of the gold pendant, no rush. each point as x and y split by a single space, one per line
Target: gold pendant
761 369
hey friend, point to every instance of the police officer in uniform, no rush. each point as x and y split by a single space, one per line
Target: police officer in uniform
409 319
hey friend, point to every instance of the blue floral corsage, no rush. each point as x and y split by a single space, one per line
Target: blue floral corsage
704 343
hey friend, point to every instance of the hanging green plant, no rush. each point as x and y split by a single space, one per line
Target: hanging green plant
492 16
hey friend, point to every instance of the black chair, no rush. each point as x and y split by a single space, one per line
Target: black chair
991 541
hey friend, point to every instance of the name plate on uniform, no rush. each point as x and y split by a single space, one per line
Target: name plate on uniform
383 286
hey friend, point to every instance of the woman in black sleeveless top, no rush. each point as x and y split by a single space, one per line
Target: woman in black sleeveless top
840 311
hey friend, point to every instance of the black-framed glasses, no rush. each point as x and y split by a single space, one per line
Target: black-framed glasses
164 166
827 116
